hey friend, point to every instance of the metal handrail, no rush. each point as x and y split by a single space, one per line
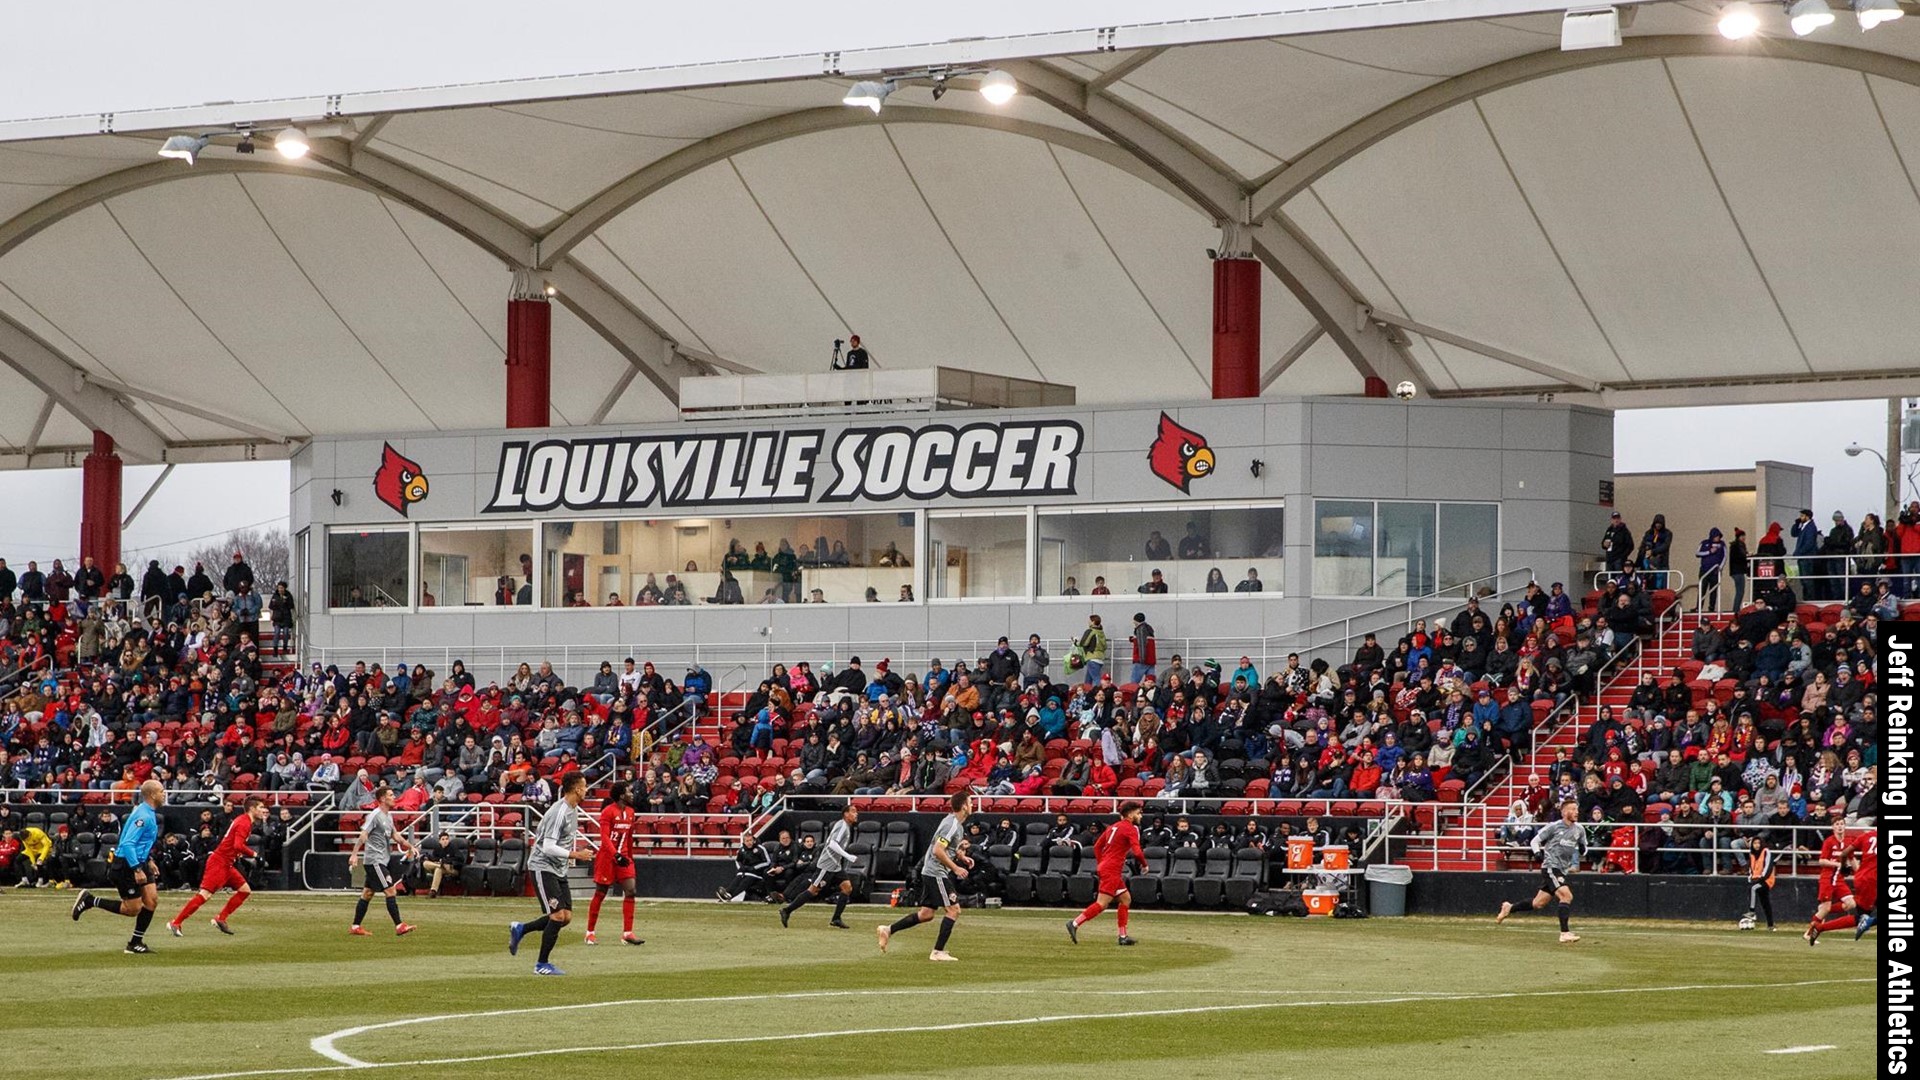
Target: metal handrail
1790 862
577 663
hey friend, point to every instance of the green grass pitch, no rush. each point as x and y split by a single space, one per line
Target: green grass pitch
723 991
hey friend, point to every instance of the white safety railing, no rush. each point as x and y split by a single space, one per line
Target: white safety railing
1334 639
1712 849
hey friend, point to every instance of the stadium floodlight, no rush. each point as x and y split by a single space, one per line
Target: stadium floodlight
870 93
1806 16
1739 21
184 147
291 143
998 87
1872 13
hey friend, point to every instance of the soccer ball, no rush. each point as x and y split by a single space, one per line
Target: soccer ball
1746 922
1405 390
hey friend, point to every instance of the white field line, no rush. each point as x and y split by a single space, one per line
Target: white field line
347 1063
1804 1049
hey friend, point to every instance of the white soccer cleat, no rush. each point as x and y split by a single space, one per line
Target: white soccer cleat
1506 909
1567 937
885 933
943 956
590 939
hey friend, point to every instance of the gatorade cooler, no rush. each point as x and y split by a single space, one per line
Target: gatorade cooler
1335 858
1320 901
1300 853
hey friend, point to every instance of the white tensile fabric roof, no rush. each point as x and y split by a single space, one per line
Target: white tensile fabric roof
1682 219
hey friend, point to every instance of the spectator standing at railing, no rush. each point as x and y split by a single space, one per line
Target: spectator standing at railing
1713 556
1869 549
33 584
1616 544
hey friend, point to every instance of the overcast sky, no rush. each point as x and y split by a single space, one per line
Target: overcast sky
119 54
202 500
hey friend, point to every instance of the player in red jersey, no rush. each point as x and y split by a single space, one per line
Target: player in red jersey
1862 850
1834 890
221 872
1120 840
614 863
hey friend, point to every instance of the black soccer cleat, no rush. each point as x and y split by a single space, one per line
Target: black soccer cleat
784 916
81 903
1126 941
838 925
136 948
222 927
1073 932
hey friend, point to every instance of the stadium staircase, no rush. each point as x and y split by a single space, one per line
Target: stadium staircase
1463 836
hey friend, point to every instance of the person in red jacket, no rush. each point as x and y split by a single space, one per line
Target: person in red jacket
1120 840
221 873
1906 548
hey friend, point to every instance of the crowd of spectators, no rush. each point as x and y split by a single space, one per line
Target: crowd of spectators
1767 728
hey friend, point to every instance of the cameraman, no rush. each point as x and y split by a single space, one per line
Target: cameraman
856 358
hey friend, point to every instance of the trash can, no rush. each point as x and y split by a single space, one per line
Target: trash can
1387 889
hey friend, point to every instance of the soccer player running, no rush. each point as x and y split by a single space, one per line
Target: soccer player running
1834 890
1561 845
555 844
613 865
131 869
373 849
1862 849
832 871
942 864
221 872
1118 841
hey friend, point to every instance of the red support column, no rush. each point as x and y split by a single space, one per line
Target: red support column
100 504
1236 328
529 363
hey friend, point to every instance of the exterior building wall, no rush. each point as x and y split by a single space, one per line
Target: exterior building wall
1542 464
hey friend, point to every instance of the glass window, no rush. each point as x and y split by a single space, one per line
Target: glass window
476 567
1403 549
1469 542
1196 550
785 559
1342 548
366 569
977 556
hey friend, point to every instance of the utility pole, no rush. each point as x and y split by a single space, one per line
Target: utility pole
1894 471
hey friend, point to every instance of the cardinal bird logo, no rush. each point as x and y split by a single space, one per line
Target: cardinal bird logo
1179 455
399 482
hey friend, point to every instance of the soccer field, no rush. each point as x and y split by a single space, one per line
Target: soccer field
725 992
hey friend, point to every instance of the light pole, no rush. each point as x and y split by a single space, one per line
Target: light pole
1892 481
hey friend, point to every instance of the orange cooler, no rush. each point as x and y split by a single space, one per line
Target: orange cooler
1300 853
1335 858
1320 902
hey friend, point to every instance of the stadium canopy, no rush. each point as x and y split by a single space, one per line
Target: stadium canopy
1681 219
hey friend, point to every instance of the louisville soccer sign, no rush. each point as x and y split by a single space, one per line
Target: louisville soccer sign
871 464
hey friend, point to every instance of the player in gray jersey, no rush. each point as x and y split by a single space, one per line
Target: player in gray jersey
556 844
373 850
942 864
833 870
1560 845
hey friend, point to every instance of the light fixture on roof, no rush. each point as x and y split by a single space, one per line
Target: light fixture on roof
245 145
184 147
1589 28
998 87
1739 21
1872 13
291 143
870 93
1806 16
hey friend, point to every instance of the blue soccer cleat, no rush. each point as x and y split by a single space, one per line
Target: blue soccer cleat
547 969
1862 925
515 931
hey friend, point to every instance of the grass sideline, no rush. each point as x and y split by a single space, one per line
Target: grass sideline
1204 995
